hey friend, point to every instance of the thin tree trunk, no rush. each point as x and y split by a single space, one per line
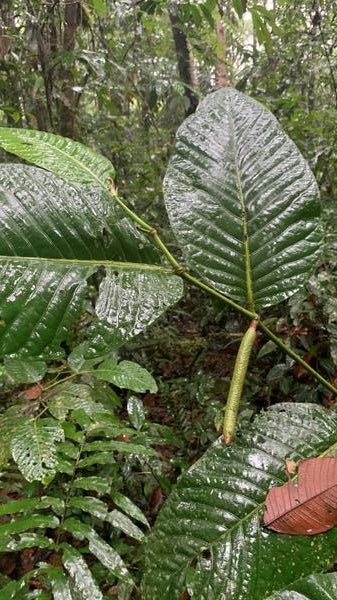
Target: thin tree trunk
11 86
221 71
184 61
67 104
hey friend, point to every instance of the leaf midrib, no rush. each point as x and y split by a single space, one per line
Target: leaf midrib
302 504
25 140
88 262
248 265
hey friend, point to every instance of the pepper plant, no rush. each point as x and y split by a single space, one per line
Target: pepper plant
244 207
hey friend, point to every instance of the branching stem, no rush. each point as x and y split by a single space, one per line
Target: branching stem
182 272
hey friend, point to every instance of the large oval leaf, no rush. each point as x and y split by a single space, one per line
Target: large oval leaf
242 201
315 587
64 157
54 236
209 538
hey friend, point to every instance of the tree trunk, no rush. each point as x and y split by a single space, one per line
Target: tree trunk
67 104
184 61
221 72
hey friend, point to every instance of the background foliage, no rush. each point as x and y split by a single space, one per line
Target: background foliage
121 76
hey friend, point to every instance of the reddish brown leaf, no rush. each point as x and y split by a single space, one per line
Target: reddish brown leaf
33 392
307 506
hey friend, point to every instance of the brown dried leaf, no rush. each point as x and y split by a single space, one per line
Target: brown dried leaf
307 506
33 392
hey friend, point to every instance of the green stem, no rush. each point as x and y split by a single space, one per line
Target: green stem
179 268
181 271
251 315
237 383
296 357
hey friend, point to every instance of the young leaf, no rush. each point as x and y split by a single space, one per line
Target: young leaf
126 374
98 458
209 535
242 201
34 447
64 157
308 506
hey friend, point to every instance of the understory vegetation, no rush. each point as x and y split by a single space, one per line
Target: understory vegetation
168 298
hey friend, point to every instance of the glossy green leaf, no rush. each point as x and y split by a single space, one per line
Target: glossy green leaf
108 557
94 506
209 539
54 237
25 540
25 371
129 507
64 157
120 521
9 422
101 549
59 584
242 201
129 301
27 504
83 582
34 447
117 446
136 412
315 587
21 524
93 483
97 458
126 374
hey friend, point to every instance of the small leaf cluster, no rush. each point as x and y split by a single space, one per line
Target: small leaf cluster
63 454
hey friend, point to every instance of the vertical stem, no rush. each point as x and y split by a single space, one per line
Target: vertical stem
237 383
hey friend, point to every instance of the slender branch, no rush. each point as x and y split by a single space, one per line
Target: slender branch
296 357
185 275
179 268
181 271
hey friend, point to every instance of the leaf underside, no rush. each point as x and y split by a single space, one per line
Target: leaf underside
54 237
307 506
64 157
209 538
242 201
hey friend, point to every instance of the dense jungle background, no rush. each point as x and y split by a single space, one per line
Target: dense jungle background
121 76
